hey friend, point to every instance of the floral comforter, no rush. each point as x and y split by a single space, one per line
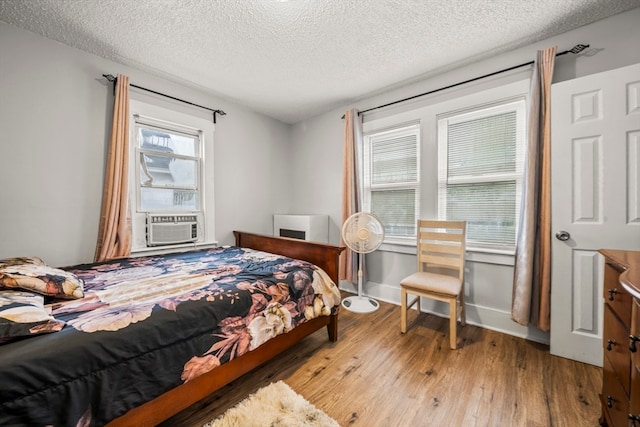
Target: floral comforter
151 323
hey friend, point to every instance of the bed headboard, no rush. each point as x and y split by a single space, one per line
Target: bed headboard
324 256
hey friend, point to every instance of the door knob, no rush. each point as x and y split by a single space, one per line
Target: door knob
563 235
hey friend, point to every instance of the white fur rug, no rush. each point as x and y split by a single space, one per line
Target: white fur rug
275 405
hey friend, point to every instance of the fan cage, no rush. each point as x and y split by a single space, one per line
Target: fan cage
363 232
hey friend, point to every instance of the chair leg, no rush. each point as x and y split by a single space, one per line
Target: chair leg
403 310
453 323
463 311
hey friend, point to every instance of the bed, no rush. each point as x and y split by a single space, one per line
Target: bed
149 336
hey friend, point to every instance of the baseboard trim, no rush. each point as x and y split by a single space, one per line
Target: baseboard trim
484 317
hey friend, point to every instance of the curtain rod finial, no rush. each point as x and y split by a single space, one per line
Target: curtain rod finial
578 48
109 77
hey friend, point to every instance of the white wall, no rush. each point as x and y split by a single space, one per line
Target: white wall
55 111
55 114
613 44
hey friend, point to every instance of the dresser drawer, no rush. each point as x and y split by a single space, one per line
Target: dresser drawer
635 394
621 362
615 295
614 398
615 341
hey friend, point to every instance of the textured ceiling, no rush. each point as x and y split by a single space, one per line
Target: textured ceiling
294 59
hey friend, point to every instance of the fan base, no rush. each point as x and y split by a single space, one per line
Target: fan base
360 304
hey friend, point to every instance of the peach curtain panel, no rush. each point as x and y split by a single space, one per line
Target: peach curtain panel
532 274
350 187
114 234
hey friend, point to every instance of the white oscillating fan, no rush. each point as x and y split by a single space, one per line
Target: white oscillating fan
362 232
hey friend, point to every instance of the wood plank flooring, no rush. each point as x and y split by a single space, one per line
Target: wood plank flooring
376 376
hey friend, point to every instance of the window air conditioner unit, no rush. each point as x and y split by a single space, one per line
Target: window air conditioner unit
170 229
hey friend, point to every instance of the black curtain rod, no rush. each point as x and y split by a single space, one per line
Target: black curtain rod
576 49
112 79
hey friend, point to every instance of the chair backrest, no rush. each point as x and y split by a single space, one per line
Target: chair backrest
441 244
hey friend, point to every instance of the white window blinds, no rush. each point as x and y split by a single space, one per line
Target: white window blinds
480 170
391 179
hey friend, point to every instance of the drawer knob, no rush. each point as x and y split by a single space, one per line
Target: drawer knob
612 292
610 344
610 402
632 344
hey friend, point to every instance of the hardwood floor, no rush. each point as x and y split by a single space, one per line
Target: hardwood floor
376 376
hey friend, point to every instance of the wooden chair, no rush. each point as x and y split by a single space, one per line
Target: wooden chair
441 246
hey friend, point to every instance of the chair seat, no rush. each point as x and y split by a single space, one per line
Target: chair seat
433 282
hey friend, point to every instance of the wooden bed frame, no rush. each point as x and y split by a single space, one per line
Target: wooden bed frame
183 396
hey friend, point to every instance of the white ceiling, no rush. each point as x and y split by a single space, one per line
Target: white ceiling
294 59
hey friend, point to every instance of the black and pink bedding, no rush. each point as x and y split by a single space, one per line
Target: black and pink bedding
146 325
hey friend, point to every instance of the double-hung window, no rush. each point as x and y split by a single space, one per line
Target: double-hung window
170 178
480 167
392 180
168 164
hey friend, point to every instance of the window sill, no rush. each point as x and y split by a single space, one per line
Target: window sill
399 247
491 256
480 255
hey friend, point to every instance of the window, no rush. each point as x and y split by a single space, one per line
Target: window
168 164
392 180
170 173
480 163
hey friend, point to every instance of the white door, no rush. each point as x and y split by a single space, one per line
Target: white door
595 199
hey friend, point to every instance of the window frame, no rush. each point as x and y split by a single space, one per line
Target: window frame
156 124
424 111
516 104
173 118
368 187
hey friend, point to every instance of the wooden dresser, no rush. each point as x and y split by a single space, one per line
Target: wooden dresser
621 339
